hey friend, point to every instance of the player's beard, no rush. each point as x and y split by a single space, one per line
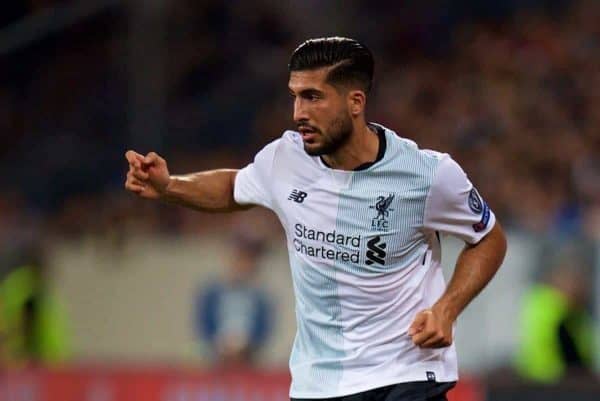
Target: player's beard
337 134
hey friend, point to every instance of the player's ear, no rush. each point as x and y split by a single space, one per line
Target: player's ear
357 101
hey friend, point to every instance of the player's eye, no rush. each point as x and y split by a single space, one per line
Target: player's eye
311 96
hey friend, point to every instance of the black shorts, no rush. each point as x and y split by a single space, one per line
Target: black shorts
412 391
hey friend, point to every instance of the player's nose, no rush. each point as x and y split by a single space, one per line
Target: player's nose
300 113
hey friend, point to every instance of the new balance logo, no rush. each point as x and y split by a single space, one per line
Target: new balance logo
297 196
376 253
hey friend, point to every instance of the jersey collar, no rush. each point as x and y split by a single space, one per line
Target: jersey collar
380 153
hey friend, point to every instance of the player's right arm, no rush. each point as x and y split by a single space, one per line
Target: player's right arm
209 191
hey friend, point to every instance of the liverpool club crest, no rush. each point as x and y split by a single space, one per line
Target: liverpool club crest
382 206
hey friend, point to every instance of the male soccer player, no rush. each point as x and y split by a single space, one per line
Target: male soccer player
362 209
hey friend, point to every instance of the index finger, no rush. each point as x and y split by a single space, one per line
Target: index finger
134 158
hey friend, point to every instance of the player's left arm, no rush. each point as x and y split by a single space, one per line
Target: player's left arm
475 267
455 207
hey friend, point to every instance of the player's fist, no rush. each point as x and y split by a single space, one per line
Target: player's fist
430 329
148 176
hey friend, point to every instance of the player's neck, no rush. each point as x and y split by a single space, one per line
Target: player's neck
361 148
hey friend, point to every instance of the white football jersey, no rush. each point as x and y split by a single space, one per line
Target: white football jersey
365 257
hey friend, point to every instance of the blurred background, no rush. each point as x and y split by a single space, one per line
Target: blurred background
104 297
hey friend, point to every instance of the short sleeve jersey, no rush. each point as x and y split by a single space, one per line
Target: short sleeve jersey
365 256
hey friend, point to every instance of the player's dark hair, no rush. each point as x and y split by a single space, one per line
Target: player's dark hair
352 61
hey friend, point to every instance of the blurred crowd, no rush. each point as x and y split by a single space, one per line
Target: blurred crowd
510 92
517 105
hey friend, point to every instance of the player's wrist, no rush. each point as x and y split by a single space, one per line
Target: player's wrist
168 190
445 310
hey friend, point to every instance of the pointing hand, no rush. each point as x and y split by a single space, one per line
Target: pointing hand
148 176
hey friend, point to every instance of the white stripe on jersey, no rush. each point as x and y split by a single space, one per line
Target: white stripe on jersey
365 258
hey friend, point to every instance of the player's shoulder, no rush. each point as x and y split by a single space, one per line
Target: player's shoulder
440 161
409 151
288 141
292 139
285 154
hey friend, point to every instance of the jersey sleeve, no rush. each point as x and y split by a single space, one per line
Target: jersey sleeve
253 183
453 206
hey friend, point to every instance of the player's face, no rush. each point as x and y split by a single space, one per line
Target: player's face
320 112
